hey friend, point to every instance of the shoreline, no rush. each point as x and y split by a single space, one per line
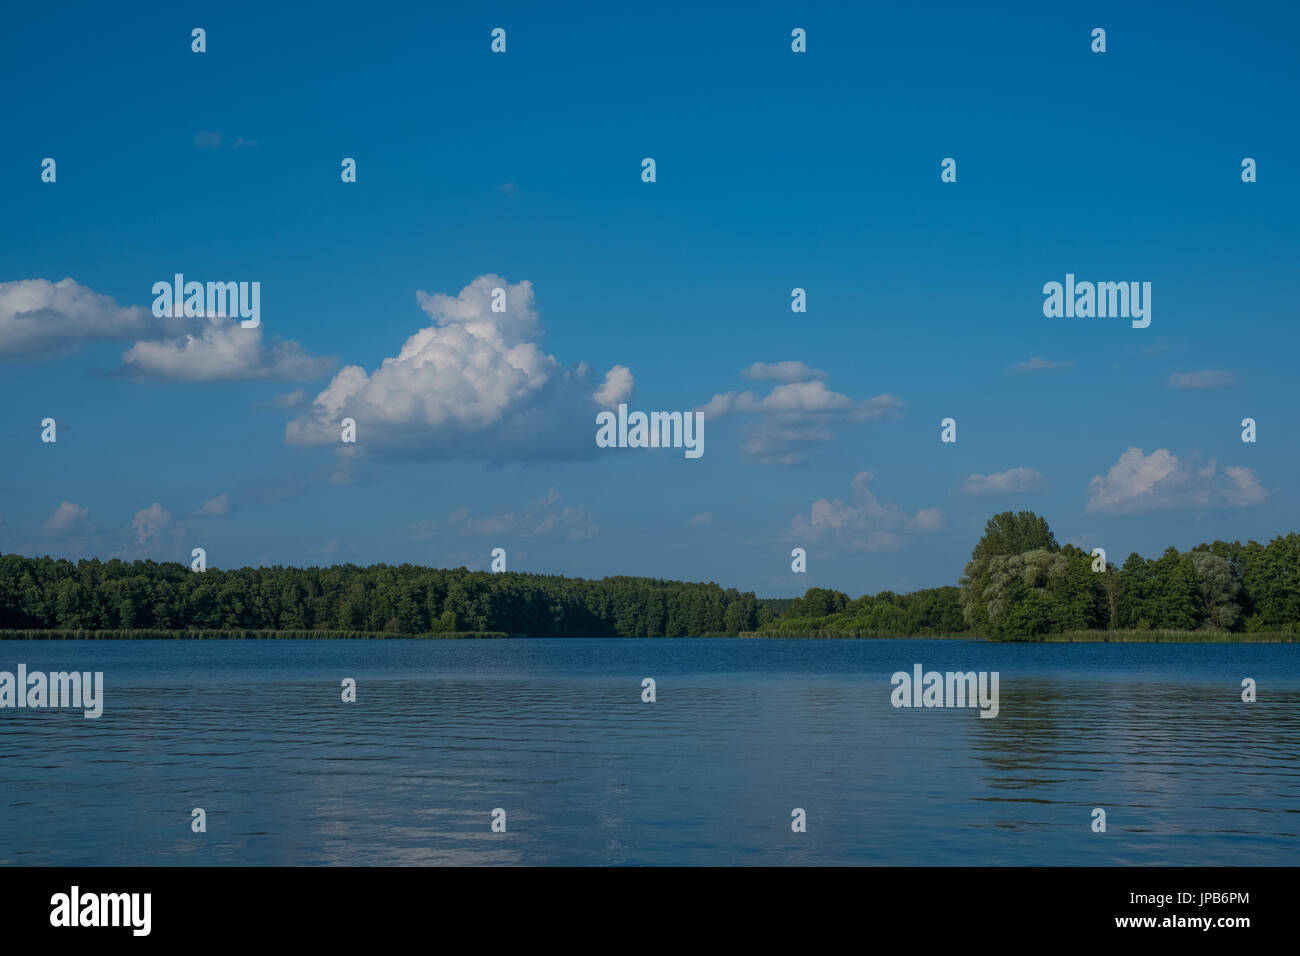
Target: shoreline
1073 637
1070 637
163 634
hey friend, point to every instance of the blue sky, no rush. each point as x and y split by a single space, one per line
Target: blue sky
775 170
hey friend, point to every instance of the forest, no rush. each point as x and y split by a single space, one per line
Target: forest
1020 584
44 594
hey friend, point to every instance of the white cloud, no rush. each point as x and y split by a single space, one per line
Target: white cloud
1137 483
805 398
1003 482
1204 379
220 350
700 520
865 523
39 318
148 522
783 372
66 517
926 519
1038 363
216 506
795 415
474 384
617 386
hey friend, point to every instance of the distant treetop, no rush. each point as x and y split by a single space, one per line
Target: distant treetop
1014 533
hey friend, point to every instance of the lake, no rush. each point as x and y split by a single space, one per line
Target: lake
741 733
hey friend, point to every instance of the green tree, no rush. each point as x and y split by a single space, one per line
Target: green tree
1005 535
1219 588
1014 533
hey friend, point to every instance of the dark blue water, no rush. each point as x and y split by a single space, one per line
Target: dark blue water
555 733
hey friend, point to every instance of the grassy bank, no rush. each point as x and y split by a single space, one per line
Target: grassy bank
136 634
859 634
1170 637
1070 637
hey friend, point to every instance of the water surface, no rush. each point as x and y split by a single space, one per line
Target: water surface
743 731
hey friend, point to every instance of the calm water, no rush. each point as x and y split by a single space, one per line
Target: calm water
554 732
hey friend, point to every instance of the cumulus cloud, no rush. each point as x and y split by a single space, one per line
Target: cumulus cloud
793 416
1003 482
216 506
1038 363
617 386
1204 379
805 398
65 518
221 350
864 523
783 372
151 532
1138 482
474 384
148 522
40 319
700 520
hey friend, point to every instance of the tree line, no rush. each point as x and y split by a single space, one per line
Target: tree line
933 612
1021 584
137 596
